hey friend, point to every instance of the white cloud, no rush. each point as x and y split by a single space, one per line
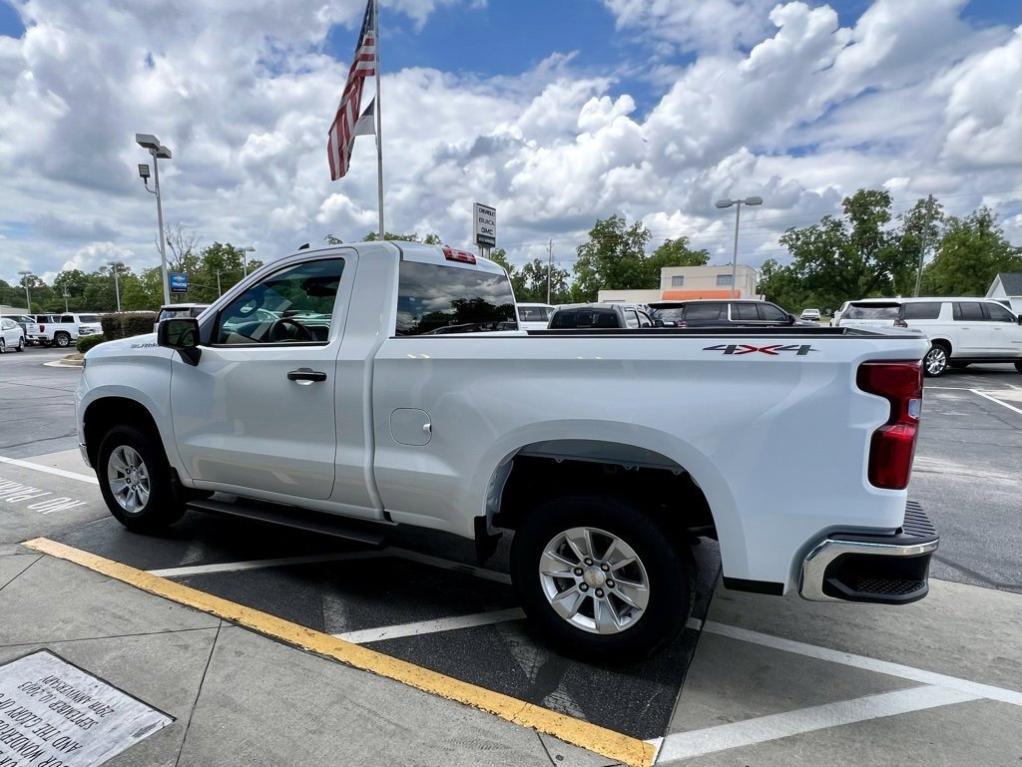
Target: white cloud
793 107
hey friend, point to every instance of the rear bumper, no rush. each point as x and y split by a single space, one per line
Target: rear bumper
887 569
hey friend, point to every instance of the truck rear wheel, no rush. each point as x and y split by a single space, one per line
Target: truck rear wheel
135 480
62 339
600 578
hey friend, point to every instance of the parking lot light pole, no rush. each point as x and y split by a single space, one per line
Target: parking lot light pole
158 151
244 259
738 217
28 299
115 267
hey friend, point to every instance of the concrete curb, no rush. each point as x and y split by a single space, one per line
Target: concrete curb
65 362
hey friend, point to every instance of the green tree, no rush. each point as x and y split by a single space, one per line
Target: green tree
853 256
920 232
674 252
971 251
614 257
499 256
534 283
429 239
611 258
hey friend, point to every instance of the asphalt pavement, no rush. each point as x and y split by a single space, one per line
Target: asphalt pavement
753 680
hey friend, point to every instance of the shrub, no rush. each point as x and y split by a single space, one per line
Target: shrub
87 342
125 324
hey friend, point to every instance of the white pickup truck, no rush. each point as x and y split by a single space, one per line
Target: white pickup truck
366 382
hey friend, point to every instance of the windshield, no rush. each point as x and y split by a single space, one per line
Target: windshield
670 313
88 318
534 313
872 312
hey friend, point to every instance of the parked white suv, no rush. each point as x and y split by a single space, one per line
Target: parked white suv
12 337
962 331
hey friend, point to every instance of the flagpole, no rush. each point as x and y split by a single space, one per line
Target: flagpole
379 122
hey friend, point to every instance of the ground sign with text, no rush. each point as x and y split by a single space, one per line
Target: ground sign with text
54 714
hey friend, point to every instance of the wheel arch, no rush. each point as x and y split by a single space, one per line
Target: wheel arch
103 413
671 477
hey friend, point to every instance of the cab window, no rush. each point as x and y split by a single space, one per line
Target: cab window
772 313
631 318
997 313
921 310
292 306
744 312
709 311
968 311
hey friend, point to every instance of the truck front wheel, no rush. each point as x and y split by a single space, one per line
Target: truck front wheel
134 478
600 578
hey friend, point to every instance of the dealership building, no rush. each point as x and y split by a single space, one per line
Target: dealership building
684 283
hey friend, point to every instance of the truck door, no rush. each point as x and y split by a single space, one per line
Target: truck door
257 413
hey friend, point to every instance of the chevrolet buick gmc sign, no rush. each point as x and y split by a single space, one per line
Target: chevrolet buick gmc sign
485 226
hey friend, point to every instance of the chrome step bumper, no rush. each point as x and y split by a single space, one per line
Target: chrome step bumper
864 567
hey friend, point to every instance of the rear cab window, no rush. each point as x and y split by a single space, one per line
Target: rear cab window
438 299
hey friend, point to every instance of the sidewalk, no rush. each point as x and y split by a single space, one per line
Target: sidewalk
240 698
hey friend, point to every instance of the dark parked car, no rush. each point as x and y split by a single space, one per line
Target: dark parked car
601 316
707 313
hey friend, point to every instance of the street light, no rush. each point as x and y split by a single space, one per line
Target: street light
115 267
244 258
738 215
158 151
24 281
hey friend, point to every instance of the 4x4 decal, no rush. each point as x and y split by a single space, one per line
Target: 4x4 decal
801 350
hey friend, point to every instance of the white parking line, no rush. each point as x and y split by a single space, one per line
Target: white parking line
994 399
260 564
685 745
966 686
433 626
89 478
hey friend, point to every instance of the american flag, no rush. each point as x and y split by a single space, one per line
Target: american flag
342 131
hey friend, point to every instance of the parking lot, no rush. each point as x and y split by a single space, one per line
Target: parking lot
753 680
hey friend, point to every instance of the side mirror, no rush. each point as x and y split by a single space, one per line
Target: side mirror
182 334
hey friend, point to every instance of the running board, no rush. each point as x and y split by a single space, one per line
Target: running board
295 518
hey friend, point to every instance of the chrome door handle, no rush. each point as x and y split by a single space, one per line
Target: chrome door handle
427 428
306 376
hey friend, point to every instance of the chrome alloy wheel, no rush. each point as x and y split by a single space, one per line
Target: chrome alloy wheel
594 580
128 478
935 360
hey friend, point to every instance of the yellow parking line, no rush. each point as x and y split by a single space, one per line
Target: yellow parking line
600 740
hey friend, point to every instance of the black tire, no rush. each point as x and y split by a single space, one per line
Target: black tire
163 506
1018 365
21 345
667 565
3 346
63 340
935 363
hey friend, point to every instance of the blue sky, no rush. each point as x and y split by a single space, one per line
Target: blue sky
555 111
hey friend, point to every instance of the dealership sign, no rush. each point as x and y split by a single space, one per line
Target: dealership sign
485 226
178 282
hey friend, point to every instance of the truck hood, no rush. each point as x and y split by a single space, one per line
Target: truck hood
144 344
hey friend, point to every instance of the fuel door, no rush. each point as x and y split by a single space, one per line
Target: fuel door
410 426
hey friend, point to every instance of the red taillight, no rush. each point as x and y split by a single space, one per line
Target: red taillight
458 255
894 444
42 328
